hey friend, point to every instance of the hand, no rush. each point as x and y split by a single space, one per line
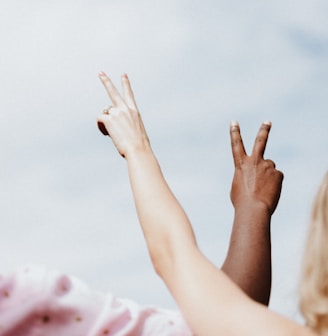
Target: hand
122 121
255 179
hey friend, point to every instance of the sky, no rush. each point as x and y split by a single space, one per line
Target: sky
194 66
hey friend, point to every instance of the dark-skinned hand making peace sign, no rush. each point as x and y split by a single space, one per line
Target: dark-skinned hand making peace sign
255 193
255 178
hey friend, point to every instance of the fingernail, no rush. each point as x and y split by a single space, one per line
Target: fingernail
267 122
101 73
125 76
234 123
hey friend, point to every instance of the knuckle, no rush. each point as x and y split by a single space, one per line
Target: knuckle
265 127
236 142
261 139
235 129
270 163
115 112
101 118
281 175
241 162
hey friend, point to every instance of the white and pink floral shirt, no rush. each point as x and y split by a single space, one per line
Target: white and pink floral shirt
35 301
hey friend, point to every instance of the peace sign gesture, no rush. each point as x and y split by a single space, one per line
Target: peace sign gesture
255 179
122 120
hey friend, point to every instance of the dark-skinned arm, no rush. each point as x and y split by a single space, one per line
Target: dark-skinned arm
209 301
255 193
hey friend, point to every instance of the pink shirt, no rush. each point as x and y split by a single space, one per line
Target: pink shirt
35 301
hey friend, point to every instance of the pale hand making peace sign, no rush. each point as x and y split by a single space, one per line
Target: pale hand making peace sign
122 121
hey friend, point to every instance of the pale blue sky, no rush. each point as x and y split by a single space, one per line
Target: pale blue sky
195 66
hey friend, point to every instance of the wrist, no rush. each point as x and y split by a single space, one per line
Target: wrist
255 207
137 151
142 161
253 215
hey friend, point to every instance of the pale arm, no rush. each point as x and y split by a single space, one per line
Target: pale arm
210 302
162 218
246 271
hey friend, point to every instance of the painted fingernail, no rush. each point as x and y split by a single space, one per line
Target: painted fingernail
234 126
102 128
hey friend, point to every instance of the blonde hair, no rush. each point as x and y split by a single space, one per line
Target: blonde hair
314 277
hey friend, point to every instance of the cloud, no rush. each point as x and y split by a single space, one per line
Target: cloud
194 67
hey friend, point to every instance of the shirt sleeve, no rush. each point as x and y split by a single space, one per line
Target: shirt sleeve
35 301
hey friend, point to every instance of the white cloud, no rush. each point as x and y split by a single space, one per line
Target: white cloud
194 67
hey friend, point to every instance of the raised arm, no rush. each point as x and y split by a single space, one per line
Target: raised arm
210 302
158 210
255 194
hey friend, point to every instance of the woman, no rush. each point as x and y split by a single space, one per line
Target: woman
210 302
314 281
36 301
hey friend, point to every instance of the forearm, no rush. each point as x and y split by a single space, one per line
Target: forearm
165 225
248 262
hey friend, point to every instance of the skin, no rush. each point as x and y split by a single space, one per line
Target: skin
255 193
248 262
210 302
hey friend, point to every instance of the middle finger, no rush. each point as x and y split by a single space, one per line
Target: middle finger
261 140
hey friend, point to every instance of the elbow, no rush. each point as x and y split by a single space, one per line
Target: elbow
162 256
169 252
170 256
157 265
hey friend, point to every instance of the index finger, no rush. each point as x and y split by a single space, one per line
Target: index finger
237 146
113 93
261 140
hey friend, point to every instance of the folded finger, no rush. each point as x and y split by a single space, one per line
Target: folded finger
261 140
237 146
113 93
270 164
